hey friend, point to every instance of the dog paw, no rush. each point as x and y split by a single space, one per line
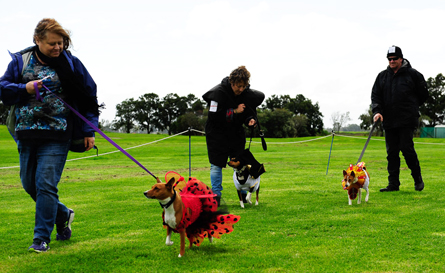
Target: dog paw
249 197
169 243
256 203
241 204
179 256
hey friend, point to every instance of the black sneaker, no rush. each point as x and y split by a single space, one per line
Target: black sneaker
64 230
42 247
418 183
389 188
419 186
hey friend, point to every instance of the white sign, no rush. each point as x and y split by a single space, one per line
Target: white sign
213 106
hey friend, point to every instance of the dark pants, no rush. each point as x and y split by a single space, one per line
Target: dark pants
401 139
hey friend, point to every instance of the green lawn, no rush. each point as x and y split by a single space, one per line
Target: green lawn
303 222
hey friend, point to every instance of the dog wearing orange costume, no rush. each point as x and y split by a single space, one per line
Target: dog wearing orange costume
355 178
190 209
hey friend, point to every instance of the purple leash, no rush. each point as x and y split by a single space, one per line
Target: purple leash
39 98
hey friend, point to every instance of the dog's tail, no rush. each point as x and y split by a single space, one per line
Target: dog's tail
211 224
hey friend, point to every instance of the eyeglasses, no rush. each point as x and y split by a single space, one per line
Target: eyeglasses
393 59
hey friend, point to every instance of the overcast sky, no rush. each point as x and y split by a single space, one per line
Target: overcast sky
329 51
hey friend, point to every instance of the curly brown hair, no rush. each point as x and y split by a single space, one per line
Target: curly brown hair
240 75
50 25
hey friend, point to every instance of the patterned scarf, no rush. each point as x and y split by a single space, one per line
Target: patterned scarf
71 84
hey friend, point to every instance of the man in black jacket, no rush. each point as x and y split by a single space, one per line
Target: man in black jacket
396 96
232 104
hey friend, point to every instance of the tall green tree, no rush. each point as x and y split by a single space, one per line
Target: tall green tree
277 123
299 123
193 118
189 120
303 106
434 107
276 102
145 112
299 106
125 115
190 99
198 107
171 107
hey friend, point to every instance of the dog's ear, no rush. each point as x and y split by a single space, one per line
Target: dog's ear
170 183
158 180
352 174
344 173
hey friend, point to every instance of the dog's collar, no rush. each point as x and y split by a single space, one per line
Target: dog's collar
169 202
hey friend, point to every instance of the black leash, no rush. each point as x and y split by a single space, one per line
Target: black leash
367 141
260 132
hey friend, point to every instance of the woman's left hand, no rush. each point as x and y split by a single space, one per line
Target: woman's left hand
252 122
89 143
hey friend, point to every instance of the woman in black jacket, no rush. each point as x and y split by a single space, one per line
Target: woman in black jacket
232 104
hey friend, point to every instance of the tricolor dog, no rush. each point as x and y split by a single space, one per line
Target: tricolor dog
246 175
354 179
190 209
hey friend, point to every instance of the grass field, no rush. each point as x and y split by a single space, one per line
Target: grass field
303 222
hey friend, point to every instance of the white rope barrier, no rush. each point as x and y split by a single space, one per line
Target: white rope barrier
294 142
201 132
91 156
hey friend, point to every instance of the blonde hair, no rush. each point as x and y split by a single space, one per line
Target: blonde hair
50 25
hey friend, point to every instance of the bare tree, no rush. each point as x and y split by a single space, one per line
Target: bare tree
339 119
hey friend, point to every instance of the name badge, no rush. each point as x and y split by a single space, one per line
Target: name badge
213 106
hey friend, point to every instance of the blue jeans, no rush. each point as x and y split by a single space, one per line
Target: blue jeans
216 179
41 166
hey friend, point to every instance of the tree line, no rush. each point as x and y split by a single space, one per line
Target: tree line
280 116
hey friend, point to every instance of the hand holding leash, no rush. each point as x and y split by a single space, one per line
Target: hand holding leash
378 117
31 86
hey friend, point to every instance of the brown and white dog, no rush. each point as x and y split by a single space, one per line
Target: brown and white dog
355 178
190 211
246 176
